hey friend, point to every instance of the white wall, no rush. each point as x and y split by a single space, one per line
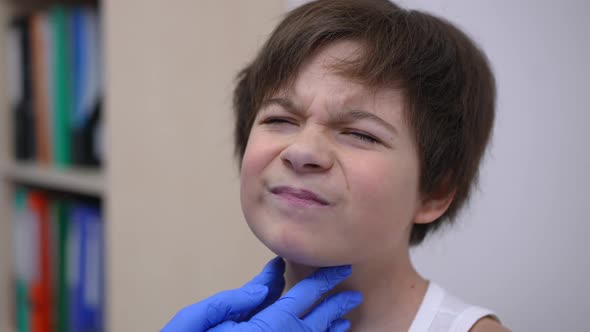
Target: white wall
520 248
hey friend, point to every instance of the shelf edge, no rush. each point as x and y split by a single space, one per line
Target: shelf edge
85 181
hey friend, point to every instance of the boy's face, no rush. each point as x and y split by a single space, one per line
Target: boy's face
330 173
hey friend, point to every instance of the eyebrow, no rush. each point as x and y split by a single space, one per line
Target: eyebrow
343 116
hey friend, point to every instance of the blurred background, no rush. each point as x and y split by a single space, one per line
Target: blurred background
119 193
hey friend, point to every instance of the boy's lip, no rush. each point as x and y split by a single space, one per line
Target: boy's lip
299 193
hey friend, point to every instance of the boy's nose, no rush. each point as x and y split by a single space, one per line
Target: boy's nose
309 152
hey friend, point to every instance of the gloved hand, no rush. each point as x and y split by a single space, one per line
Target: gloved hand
256 306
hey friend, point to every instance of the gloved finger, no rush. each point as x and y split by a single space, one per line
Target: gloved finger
272 277
217 308
271 273
228 325
323 316
275 320
305 293
340 325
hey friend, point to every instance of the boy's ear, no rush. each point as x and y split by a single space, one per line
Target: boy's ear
433 207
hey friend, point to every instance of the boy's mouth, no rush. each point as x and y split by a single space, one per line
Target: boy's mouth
299 196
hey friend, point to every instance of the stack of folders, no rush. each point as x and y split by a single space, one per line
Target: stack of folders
59 258
56 86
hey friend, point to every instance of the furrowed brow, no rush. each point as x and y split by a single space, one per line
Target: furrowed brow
283 102
347 116
344 116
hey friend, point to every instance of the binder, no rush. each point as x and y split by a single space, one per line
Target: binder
40 287
96 65
15 67
23 258
60 209
62 85
74 257
40 86
88 85
93 296
50 78
80 82
21 90
85 279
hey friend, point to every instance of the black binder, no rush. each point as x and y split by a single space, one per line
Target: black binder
24 132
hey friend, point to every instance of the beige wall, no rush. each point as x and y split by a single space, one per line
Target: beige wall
175 229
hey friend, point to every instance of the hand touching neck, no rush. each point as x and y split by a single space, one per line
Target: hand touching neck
392 290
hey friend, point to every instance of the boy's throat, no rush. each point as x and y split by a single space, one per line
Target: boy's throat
392 295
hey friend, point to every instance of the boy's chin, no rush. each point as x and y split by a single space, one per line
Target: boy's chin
301 247
317 259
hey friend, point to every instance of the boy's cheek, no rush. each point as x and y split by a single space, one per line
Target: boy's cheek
260 152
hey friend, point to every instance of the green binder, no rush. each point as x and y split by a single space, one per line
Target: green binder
60 210
21 286
62 96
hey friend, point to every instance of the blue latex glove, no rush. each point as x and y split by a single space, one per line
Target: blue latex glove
256 306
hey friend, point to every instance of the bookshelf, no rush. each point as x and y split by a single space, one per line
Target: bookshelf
169 188
84 181
76 181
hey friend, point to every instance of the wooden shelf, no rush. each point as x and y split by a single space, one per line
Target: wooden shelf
87 181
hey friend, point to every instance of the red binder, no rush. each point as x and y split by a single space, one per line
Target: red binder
40 290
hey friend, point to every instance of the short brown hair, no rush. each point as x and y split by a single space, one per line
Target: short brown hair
446 79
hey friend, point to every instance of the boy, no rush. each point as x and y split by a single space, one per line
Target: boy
360 130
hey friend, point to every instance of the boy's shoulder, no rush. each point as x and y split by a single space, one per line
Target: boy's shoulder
463 313
488 324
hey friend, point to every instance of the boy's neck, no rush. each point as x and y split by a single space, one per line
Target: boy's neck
392 291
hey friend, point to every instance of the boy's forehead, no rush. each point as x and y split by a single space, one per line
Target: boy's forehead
321 68
351 95
338 91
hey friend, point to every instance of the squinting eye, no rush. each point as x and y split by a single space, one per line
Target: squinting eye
276 121
364 137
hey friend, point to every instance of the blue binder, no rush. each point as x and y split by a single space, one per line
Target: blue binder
87 281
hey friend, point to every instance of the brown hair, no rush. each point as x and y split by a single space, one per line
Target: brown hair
446 79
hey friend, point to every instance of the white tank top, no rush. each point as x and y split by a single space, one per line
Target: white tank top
442 312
